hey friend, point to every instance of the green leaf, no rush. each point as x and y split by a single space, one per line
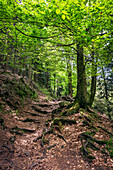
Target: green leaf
57 11
63 17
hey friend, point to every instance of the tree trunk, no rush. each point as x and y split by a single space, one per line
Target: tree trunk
69 72
48 86
35 77
106 94
15 53
93 90
81 97
47 78
93 79
6 56
54 83
6 63
30 74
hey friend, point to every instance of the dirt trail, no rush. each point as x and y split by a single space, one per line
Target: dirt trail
20 150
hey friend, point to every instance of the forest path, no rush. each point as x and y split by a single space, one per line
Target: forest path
20 150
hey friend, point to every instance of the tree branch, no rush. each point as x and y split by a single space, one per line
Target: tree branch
32 36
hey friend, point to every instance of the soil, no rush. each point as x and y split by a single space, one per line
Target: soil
20 149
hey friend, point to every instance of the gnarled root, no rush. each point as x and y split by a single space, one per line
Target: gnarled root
88 141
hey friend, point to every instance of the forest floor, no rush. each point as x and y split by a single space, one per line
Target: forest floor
21 145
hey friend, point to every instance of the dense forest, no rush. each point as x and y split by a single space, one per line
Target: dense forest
58 51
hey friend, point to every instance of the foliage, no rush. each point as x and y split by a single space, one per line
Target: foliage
38 40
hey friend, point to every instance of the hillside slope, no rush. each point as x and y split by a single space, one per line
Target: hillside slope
35 135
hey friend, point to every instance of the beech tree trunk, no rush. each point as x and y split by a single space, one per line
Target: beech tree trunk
81 97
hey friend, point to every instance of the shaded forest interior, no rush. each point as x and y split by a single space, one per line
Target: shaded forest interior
56 84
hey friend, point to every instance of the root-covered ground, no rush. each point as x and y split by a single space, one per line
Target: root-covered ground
36 135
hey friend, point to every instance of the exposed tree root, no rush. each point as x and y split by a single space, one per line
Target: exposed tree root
43 134
56 121
71 109
86 136
34 114
40 110
89 143
42 137
68 98
48 148
56 111
107 131
63 121
94 147
94 114
60 136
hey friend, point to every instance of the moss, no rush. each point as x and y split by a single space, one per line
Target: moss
91 133
45 141
109 147
91 157
81 110
92 113
61 121
74 109
56 121
64 113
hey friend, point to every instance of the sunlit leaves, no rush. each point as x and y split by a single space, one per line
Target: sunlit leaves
63 17
57 11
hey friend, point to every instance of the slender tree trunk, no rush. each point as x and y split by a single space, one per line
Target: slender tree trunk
48 86
106 94
35 77
6 63
30 74
69 72
14 61
70 84
6 56
1 60
93 90
93 79
57 88
15 53
54 82
81 97
48 81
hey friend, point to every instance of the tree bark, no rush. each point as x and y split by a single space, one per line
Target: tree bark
106 93
81 97
69 72
93 79
54 83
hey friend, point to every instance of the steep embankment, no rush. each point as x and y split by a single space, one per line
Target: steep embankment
34 134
